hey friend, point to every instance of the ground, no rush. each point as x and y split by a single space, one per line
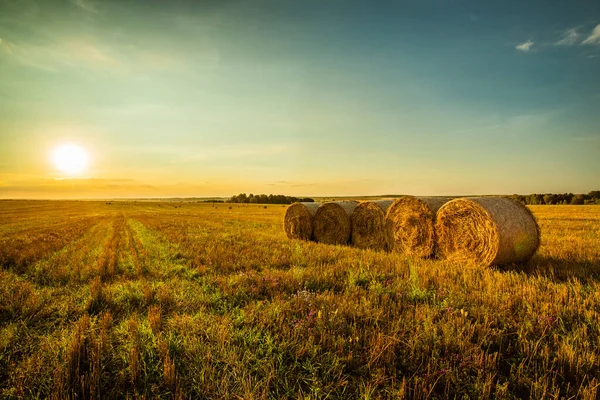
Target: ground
195 300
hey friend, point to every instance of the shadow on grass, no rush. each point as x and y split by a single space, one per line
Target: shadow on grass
558 269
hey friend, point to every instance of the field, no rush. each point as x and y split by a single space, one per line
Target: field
193 300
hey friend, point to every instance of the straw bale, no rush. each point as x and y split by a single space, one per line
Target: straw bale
412 222
370 228
332 222
486 231
298 220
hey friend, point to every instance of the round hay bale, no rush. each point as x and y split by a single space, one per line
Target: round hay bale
370 228
332 223
298 220
486 231
412 222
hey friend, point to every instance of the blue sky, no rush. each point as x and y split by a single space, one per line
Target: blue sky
185 98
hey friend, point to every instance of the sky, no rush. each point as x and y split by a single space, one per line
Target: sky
299 97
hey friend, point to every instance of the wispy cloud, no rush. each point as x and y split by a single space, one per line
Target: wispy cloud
88 53
156 60
86 5
30 56
587 138
570 37
69 53
92 54
279 183
475 129
526 46
187 155
594 37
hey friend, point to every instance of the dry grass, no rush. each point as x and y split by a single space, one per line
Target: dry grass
486 231
203 302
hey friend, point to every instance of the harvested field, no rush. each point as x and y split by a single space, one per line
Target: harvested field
203 301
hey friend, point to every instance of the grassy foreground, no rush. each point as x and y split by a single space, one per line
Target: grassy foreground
189 300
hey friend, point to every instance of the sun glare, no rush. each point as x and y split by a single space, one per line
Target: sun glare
70 159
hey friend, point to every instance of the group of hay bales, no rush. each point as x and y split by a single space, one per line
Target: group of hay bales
482 230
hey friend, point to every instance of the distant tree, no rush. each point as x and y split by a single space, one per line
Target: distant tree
519 198
578 199
569 197
534 199
267 199
594 194
550 199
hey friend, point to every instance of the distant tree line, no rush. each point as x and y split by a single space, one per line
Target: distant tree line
592 197
267 199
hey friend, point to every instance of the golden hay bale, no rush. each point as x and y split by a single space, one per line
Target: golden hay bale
412 222
370 229
298 220
332 223
486 231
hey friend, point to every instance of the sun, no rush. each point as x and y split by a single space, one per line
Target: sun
70 159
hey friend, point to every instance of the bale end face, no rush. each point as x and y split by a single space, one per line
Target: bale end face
298 220
370 228
332 222
486 231
412 220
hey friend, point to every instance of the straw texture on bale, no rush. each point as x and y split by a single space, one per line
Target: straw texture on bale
298 220
332 223
486 231
412 222
370 228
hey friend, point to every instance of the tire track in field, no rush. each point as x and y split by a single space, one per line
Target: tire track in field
133 253
22 221
122 254
19 252
78 260
109 262
158 256
43 302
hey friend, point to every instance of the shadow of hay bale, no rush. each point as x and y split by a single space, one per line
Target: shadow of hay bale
557 269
